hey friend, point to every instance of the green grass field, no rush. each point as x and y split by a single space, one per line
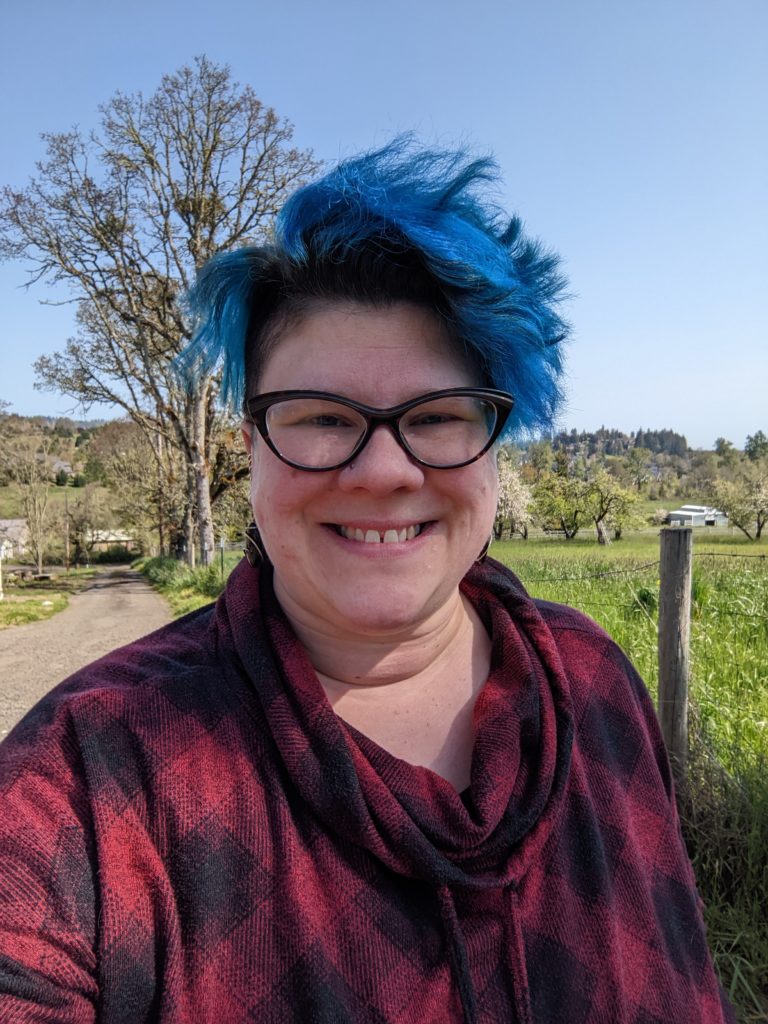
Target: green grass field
618 586
17 611
37 600
11 506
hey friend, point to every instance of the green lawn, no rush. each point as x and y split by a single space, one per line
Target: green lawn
32 601
10 499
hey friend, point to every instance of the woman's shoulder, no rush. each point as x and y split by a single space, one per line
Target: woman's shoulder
174 650
170 671
564 618
588 652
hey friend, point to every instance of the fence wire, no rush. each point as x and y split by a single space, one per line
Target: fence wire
635 569
592 576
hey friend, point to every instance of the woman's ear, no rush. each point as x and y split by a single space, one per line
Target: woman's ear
246 429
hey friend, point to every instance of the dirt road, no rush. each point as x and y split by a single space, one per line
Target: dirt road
117 607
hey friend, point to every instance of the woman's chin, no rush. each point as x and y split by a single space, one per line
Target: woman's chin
385 614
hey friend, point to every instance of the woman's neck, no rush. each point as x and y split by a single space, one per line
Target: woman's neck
370 660
414 695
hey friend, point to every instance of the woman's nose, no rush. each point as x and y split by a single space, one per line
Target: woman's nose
382 466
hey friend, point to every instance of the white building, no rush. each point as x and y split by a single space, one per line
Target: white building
697 515
14 535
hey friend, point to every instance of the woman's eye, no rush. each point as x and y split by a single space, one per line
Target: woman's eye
328 421
431 419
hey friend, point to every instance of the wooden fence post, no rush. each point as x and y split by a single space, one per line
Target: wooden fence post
674 642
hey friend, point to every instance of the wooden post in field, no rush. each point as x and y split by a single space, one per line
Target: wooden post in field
674 642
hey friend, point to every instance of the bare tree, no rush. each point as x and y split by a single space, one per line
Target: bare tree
147 482
124 218
26 462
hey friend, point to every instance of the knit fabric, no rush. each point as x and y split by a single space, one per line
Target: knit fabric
188 833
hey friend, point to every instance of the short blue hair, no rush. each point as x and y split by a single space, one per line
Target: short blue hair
402 223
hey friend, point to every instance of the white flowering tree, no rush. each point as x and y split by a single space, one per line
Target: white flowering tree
513 509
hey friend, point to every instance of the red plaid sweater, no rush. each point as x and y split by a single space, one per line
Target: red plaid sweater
188 833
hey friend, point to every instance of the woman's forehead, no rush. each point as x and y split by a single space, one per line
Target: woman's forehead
342 344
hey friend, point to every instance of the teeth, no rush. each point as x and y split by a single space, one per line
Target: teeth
391 536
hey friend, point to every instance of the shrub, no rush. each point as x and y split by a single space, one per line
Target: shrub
116 553
207 580
164 572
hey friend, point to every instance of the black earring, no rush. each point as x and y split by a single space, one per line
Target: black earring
253 549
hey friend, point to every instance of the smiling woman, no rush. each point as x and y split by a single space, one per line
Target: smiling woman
376 782
378 356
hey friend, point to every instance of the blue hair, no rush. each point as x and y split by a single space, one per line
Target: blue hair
369 229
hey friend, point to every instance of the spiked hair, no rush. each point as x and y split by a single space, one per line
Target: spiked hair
399 224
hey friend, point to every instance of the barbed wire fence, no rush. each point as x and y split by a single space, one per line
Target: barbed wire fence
672 624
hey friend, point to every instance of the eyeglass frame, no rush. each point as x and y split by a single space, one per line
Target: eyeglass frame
258 405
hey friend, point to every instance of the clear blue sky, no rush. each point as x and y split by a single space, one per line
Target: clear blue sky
632 137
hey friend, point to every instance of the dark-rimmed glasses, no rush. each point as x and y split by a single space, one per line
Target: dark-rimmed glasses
318 431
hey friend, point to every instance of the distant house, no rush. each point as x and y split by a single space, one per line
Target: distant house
103 540
14 536
697 515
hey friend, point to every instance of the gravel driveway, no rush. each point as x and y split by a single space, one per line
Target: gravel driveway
117 607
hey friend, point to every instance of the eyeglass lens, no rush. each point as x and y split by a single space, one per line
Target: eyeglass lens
317 432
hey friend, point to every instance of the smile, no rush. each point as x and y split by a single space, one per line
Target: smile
390 536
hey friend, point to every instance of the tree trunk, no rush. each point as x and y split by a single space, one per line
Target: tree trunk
569 533
189 520
200 469
159 447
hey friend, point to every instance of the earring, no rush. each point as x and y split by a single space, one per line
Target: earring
253 549
483 554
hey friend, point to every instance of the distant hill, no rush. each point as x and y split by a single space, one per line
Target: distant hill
614 442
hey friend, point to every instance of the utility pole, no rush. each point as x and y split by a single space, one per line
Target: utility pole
66 527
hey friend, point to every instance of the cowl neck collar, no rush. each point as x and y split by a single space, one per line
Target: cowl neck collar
408 817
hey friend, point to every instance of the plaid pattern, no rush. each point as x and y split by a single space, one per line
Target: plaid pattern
189 834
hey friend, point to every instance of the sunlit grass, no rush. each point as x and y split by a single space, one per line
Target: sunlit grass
35 600
186 589
17 611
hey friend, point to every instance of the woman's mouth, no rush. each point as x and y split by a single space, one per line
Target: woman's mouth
391 535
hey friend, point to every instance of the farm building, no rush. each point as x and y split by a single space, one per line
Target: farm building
697 515
14 535
103 540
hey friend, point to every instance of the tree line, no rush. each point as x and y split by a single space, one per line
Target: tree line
577 480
